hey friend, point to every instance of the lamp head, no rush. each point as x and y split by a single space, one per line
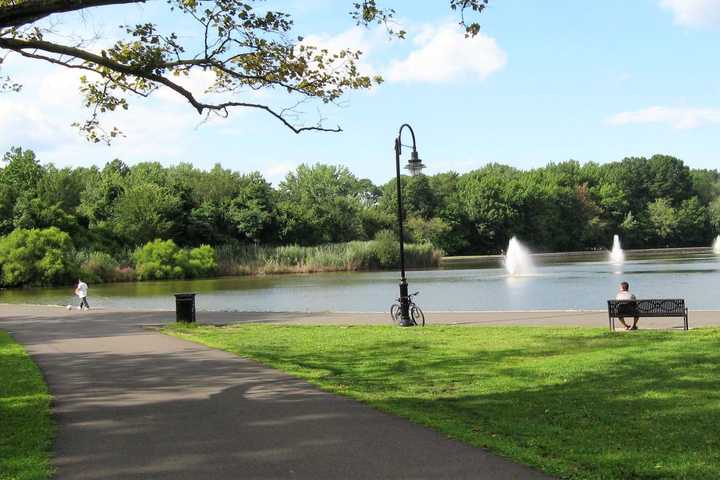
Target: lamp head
414 165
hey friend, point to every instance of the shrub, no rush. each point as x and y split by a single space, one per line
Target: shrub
161 260
36 257
431 231
156 260
198 262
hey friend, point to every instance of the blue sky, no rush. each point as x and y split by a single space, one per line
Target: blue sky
545 81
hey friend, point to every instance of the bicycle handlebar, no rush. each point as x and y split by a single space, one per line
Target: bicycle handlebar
409 296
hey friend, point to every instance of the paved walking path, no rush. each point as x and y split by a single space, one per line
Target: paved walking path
135 404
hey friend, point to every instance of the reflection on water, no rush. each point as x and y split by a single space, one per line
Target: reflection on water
554 285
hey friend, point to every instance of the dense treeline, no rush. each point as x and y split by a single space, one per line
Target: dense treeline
650 202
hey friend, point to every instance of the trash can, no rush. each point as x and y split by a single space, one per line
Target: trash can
185 307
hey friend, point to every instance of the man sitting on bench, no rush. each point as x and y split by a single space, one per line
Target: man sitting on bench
624 294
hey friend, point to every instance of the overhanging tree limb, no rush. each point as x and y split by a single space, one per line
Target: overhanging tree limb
244 49
15 14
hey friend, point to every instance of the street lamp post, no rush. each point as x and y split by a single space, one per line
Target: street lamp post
414 166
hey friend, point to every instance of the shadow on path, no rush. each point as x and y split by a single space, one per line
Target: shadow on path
133 404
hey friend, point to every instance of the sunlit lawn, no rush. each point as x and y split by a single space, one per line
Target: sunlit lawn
25 426
574 402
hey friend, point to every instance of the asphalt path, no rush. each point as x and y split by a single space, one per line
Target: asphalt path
131 403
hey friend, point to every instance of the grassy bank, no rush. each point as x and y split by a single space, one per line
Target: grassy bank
351 256
25 426
577 403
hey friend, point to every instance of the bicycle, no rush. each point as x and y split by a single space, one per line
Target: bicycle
417 317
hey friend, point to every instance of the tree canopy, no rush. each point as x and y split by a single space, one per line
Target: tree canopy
649 202
245 47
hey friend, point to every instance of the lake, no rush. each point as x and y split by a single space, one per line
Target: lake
560 282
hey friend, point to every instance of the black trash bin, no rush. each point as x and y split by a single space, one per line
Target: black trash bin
185 307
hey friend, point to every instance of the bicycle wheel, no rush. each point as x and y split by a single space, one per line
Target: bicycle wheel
395 313
417 315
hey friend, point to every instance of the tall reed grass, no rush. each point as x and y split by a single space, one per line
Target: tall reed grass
242 259
238 259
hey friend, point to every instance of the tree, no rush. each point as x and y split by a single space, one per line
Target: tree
663 219
431 231
706 184
97 203
550 215
417 195
455 240
693 226
226 206
613 200
18 179
560 207
244 47
22 170
632 231
251 210
144 212
714 216
37 212
488 207
320 204
631 175
669 178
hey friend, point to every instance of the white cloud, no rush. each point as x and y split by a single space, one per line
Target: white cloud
357 38
677 117
21 125
444 54
276 172
694 13
40 118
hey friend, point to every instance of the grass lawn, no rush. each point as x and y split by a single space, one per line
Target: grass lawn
575 402
25 426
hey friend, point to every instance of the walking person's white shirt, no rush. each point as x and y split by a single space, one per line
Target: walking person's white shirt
81 290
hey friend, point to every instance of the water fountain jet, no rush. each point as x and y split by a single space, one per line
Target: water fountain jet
517 259
716 245
617 256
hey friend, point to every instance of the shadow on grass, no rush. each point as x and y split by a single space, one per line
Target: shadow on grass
580 404
135 405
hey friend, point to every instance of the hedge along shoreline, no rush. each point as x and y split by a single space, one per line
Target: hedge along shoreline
43 257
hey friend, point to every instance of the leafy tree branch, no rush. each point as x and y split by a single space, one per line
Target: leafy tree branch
245 49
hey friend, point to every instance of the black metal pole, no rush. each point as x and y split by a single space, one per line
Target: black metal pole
404 299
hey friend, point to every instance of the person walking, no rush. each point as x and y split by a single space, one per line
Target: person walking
82 291
624 294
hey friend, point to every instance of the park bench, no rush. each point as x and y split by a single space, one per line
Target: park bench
664 307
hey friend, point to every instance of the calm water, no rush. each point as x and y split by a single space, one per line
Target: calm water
559 285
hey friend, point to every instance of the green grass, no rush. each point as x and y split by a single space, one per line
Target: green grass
577 403
25 427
